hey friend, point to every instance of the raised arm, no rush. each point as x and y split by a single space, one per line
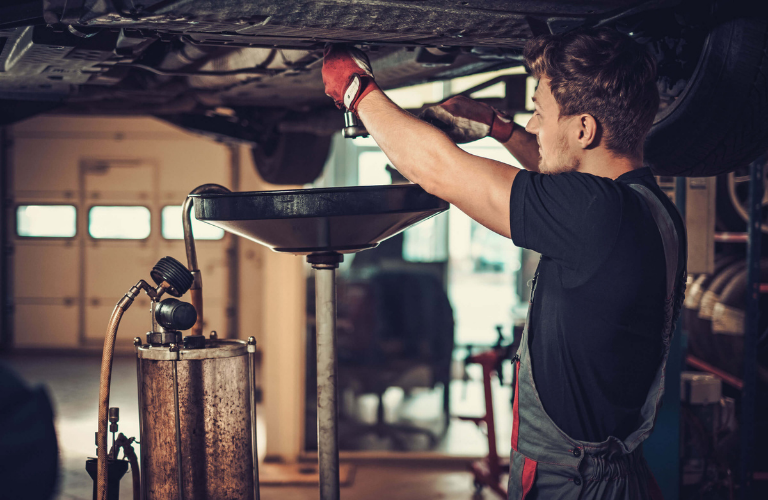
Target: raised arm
426 156
467 120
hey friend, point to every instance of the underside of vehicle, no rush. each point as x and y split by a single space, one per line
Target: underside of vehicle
250 70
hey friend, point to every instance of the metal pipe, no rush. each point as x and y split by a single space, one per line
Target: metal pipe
233 254
196 291
139 382
254 440
706 367
327 406
751 326
176 409
229 72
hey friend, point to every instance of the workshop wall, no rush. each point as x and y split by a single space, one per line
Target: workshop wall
73 258
118 177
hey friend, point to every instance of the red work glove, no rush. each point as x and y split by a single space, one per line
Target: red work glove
465 120
347 75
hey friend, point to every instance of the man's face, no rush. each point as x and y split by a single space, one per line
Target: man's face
556 153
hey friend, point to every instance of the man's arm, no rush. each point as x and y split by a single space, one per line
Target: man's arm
524 147
466 120
478 186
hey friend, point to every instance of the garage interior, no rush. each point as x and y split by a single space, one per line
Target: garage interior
95 193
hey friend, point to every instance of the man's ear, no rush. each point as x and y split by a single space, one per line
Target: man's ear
587 131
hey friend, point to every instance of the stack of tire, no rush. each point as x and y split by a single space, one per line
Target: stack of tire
714 313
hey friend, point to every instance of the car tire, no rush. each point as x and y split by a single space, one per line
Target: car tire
718 123
291 157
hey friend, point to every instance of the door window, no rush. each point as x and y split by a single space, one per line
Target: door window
119 222
46 221
173 229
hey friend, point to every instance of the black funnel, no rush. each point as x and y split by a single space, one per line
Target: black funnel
306 221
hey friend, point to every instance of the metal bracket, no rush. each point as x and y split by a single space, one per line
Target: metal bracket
329 260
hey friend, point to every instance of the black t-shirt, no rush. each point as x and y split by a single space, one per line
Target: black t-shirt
597 312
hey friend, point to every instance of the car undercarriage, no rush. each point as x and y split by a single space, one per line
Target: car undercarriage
246 70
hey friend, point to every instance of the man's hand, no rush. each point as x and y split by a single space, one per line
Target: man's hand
465 120
347 75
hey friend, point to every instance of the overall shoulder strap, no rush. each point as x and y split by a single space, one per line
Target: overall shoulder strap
669 236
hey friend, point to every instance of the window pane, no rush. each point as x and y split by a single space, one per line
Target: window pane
46 221
372 169
426 241
121 223
173 229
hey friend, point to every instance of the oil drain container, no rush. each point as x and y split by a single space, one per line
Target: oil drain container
195 410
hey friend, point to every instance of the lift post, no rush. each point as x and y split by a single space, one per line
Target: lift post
751 322
325 265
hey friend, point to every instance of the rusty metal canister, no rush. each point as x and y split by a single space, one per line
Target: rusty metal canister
195 409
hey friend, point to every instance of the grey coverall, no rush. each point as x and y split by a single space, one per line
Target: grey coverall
546 463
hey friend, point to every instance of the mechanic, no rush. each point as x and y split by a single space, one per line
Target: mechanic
611 278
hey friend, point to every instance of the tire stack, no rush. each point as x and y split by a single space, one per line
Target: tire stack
714 312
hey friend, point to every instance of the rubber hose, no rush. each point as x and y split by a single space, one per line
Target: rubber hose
104 381
135 477
135 471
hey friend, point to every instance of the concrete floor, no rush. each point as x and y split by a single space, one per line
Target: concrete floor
377 481
72 384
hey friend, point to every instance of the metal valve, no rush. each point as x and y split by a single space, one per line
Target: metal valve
174 314
114 417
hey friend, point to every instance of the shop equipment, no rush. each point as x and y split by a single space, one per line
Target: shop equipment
489 470
197 405
322 224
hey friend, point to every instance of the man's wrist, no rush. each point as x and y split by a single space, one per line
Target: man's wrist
501 128
368 85
372 99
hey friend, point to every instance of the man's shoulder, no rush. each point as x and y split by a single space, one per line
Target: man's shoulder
573 187
644 177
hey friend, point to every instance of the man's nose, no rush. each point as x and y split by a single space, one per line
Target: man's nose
530 127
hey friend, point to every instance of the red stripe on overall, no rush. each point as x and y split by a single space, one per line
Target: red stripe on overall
529 466
515 408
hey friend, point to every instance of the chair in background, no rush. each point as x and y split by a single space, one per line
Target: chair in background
401 335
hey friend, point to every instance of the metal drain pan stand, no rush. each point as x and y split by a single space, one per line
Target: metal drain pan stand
322 224
306 221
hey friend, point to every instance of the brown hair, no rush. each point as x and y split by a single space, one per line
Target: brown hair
600 72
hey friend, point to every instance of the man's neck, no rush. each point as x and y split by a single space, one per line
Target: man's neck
603 163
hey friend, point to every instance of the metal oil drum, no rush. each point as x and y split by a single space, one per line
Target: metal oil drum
195 410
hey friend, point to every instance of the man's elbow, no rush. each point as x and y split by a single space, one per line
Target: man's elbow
434 174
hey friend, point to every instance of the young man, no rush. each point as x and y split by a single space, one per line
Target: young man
612 273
